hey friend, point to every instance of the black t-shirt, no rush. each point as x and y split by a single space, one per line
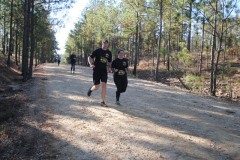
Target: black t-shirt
120 65
73 58
101 57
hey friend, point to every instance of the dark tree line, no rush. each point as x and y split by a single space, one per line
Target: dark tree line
26 31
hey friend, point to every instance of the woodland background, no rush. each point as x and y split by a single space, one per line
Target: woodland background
192 44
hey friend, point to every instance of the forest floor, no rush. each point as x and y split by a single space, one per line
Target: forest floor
50 117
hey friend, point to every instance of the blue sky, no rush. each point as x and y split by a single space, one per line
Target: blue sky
72 17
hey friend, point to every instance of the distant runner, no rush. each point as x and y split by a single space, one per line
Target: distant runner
58 59
100 60
73 62
119 68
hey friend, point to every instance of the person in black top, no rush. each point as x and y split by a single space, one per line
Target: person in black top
119 68
73 61
100 60
58 59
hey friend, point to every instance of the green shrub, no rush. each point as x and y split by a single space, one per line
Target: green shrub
226 70
194 82
186 57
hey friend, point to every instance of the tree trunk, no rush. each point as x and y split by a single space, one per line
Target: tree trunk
136 49
82 56
10 49
225 45
182 34
16 43
19 53
169 39
218 55
32 40
189 27
7 43
25 47
160 41
4 32
85 53
213 75
132 50
153 58
202 48
178 40
36 54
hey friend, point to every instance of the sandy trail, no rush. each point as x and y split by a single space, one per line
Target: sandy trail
154 121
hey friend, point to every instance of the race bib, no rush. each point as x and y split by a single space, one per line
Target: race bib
121 72
103 60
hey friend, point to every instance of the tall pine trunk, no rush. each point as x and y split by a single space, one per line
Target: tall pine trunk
202 47
189 27
25 47
16 43
10 49
36 53
213 75
32 40
4 31
182 32
218 54
160 41
153 54
169 39
136 48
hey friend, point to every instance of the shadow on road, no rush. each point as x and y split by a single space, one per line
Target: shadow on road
156 118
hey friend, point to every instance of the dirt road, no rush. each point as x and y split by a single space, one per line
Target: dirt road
154 121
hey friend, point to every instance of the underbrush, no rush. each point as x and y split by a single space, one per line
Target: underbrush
8 75
12 100
194 82
228 80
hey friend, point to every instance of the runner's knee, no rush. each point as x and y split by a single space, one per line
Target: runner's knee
96 87
123 90
104 85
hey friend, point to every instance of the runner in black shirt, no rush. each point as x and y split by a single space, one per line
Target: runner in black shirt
119 68
99 60
73 61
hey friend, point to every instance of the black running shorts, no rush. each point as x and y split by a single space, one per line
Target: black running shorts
99 76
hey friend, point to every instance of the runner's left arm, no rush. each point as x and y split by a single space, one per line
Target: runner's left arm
127 65
109 63
113 67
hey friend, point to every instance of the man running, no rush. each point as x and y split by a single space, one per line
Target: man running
100 60
73 61
119 68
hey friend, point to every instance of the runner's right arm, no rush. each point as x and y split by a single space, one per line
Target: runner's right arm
91 59
91 62
113 66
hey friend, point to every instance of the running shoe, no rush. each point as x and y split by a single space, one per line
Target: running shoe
89 92
118 103
103 104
